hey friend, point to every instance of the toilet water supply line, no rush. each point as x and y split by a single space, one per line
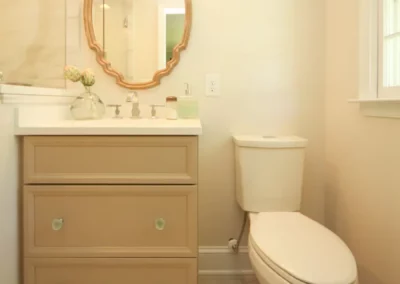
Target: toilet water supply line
236 244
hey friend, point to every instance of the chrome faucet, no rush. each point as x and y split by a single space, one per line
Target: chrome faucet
133 98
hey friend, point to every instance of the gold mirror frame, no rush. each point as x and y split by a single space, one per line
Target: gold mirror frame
91 38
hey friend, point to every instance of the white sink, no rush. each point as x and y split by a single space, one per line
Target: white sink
52 120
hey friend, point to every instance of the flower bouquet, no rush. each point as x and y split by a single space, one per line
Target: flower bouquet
87 105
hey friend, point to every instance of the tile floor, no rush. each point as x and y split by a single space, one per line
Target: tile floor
227 280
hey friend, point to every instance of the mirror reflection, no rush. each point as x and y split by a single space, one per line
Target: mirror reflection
138 36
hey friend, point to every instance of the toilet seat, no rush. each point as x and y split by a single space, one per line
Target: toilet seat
269 273
301 250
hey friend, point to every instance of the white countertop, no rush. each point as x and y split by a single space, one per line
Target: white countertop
53 120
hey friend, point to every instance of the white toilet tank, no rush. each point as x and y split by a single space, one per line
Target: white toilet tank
269 172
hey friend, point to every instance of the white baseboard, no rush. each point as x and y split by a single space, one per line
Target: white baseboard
226 272
221 261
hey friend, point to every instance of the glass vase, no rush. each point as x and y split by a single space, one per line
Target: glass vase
87 106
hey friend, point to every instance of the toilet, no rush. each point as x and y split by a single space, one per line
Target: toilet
285 247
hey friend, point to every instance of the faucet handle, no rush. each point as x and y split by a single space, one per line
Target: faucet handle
130 96
117 110
154 111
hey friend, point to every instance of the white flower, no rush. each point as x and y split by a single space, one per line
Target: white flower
72 73
88 79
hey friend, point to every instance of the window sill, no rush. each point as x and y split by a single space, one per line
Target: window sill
389 108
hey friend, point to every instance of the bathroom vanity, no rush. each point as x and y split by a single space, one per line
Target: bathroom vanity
101 208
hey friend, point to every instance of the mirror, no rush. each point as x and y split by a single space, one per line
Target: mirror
138 41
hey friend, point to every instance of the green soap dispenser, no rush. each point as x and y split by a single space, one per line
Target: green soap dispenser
188 107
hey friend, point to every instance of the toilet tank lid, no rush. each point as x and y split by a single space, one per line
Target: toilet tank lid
260 141
303 248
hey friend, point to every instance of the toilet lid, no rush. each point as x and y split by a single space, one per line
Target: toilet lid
302 248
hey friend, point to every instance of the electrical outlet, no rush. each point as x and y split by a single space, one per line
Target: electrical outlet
213 85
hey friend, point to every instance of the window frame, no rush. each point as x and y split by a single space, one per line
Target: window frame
371 55
370 103
368 52
383 92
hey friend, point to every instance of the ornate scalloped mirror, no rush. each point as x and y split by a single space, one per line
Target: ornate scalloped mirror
138 41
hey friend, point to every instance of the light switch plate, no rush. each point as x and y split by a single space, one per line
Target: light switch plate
213 85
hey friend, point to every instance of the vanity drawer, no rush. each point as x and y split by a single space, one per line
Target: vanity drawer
115 271
110 160
110 221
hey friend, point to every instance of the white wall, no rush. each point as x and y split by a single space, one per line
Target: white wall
271 63
116 35
9 223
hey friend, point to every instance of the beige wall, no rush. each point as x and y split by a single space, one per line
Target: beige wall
32 46
363 159
272 76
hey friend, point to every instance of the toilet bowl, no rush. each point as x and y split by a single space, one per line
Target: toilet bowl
285 247
289 248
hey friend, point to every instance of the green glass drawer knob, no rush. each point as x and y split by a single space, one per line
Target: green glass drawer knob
160 224
57 224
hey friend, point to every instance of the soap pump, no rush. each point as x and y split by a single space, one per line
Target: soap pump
187 105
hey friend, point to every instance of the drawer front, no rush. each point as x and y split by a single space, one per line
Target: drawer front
110 160
115 271
110 221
